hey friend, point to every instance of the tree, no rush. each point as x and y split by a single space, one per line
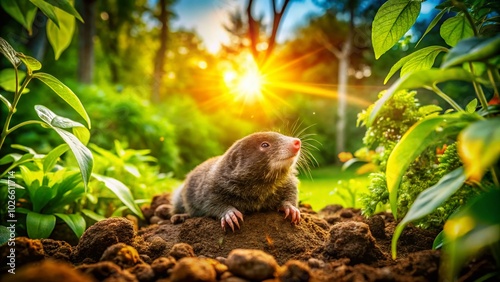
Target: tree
351 8
86 41
159 61
254 30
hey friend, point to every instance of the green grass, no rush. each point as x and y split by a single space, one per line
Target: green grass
331 185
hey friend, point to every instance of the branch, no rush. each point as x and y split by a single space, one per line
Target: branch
277 16
328 46
253 30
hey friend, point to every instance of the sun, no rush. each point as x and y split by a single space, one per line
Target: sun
245 83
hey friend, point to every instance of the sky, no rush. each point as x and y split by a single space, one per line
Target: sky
207 17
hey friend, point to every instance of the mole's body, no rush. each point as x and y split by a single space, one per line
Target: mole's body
257 173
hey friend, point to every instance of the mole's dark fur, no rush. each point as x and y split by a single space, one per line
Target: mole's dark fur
257 173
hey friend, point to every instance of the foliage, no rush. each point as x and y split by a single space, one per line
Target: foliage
473 58
45 191
61 14
136 169
80 134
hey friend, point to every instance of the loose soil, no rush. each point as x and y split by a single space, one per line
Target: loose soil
336 244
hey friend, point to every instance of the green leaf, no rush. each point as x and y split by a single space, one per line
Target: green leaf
121 191
471 106
16 160
41 196
392 21
82 154
47 9
66 6
40 226
65 93
11 183
422 59
422 134
8 79
472 50
479 146
472 229
51 159
31 63
60 36
429 200
434 22
75 221
438 241
22 11
9 52
421 78
455 29
92 215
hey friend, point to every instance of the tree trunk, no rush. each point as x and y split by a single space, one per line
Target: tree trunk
160 54
343 78
86 41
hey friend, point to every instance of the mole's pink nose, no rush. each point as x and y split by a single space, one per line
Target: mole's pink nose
296 144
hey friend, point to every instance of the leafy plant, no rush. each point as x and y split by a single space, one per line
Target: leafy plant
61 15
18 83
474 58
50 192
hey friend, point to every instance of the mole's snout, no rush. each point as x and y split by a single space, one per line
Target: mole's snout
296 144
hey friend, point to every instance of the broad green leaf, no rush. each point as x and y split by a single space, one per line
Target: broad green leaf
392 21
75 221
60 36
8 79
420 136
421 78
472 50
455 29
51 158
82 154
472 229
31 63
479 146
422 59
22 11
65 93
47 9
41 196
121 191
9 52
83 134
66 6
92 215
433 23
40 226
429 200
471 106
69 190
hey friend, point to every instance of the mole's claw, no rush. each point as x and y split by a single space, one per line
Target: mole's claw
293 212
230 217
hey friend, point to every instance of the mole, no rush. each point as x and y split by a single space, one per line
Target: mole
257 173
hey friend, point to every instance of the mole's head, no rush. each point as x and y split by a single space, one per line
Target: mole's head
264 155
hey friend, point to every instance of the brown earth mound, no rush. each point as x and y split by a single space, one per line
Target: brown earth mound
334 245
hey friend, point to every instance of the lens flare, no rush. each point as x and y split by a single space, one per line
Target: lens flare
245 84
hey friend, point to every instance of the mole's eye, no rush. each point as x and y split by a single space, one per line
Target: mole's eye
265 145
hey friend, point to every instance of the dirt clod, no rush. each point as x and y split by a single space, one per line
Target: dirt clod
102 235
122 255
294 271
353 240
251 264
193 269
106 270
181 250
48 271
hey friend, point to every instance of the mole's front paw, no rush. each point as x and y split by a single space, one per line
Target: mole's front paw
230 217
179 218
291 211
